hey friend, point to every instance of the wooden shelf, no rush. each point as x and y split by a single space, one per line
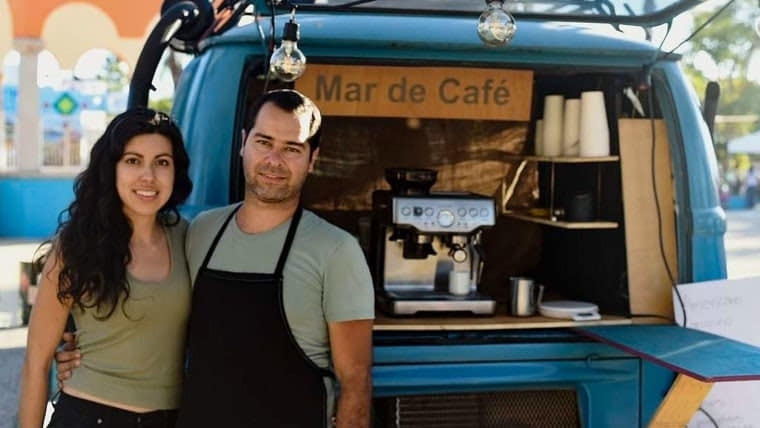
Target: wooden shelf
562 224
497 322
568 159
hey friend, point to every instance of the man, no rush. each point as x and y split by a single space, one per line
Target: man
280 296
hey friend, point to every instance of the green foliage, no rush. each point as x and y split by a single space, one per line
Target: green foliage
114 74
164 105
729 41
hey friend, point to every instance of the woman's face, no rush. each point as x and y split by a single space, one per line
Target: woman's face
145 175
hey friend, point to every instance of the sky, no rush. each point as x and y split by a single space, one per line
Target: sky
49 72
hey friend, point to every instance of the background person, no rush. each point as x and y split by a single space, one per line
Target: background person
117 265
750 183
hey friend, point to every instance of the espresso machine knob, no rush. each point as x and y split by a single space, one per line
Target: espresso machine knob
445 218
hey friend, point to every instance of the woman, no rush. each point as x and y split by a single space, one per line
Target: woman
118 266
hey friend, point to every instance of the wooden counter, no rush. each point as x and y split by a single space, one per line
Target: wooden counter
384 322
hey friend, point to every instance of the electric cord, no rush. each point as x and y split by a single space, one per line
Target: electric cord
658 209
265 48
671 277
270 46
704 24
709 417
665 37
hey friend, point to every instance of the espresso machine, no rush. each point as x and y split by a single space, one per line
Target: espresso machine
424 251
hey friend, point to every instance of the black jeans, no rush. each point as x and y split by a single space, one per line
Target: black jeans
73 412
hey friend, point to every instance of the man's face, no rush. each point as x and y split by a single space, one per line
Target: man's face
276 156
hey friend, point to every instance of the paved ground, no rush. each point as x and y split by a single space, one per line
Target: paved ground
742 252
12 337
743 243
12 343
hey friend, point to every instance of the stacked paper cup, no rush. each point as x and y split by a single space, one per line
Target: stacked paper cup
594 133
539 141
553 124
571 127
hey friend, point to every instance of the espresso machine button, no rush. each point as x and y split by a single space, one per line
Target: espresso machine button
445 218
405 211
418 211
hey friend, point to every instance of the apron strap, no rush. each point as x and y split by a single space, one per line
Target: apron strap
218 236
278 275
288 241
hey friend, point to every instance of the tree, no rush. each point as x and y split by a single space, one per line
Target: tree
163 104
113 73
172 63
729 43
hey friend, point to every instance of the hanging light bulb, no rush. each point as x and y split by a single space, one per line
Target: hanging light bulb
288 62
496 26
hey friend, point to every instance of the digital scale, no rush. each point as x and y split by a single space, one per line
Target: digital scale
569 309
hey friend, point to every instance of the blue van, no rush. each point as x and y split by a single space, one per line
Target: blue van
580 153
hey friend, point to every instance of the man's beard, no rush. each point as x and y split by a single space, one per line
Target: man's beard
272 193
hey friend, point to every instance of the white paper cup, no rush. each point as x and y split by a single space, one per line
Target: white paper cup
539 140
571 127
553 117
459 282
594 132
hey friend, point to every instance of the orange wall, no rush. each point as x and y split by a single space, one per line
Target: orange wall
130 16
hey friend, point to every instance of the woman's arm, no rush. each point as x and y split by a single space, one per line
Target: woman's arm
46 324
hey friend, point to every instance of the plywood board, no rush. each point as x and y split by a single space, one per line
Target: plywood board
496 322
682 401
649 284
727 308
419 92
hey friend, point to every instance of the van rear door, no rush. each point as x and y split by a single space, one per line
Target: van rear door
644 13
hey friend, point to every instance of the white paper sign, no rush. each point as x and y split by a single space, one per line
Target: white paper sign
730 308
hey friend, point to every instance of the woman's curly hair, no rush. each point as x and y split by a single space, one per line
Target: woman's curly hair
92 239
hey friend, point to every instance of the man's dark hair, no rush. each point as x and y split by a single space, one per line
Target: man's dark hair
290 100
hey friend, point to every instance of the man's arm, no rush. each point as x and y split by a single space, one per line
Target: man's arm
351 348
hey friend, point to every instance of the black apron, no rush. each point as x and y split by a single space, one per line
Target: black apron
245 367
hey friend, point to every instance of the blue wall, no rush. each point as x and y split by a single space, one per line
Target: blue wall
29 206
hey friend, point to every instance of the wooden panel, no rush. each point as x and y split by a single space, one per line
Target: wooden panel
701 355
681 402
562 224
567 159
498 322
419 92
649 285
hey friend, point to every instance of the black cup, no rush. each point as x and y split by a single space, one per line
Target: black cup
580 207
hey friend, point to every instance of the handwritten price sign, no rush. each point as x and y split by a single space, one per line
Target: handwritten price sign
730 308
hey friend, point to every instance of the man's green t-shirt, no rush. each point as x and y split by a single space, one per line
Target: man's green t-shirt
326 278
